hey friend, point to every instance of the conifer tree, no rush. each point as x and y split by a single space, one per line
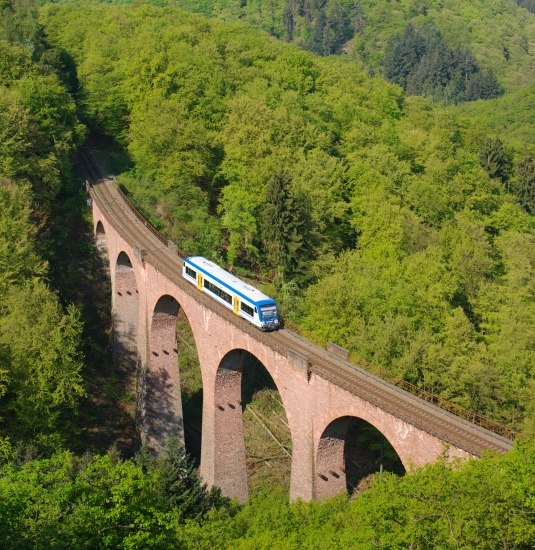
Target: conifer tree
495 159
180 485
403 53
358 17
525 182
282 228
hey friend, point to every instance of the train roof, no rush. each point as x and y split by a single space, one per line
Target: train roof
250 293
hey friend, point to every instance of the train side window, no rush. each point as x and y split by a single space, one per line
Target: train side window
191 273
247 309
218 291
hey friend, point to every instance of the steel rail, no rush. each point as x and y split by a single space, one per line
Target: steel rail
422 413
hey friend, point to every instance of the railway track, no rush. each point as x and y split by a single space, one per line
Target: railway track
165 257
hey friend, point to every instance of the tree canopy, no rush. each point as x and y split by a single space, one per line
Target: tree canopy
40 358
382 220
105 502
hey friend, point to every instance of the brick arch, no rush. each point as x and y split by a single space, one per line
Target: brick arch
332 460
125 316
125 287
163 400
99 229
101 242
229 444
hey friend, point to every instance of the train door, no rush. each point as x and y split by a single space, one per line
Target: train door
236 305
199 281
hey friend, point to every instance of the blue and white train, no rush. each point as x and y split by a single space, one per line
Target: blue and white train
246 301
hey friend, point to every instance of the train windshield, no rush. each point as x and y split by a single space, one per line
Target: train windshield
269 312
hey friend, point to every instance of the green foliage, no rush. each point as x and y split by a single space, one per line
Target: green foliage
381 201
319 26
422 263
18 258
282 230
524 183
100 501
510 117
206 121
495 160
40 359
18 22
103 502
38 125
40 350
422 62
496 32
528 4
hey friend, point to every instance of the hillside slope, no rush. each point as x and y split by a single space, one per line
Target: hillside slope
384 225
499 32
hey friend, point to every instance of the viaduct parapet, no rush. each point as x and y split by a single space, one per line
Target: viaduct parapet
320 391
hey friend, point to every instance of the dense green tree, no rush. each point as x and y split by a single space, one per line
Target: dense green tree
403 54
18 256
40 358
494 158
528 4
41 349
423 63
524 184
392 217
358 17
422 263
282 228
179 484
101 501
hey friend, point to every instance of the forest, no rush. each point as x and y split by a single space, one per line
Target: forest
401 235
388 223
486 42
497 32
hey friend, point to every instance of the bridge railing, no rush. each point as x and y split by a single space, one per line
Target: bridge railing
146 222
467 414
140 216
426 395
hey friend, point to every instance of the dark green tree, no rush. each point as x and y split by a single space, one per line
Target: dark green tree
528 4
494 158
180 486
358 18
423 63
524 184
282 229
289 15
482 84
402 55
318 41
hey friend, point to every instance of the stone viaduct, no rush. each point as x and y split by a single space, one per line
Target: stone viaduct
319 390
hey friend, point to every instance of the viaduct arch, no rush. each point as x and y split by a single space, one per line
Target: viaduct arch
337 456
229 437
320 392
125 315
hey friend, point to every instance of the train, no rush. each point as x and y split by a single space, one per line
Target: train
233 293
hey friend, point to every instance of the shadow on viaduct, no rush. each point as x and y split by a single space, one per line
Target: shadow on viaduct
145 305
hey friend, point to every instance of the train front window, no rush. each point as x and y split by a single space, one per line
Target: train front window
269 312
